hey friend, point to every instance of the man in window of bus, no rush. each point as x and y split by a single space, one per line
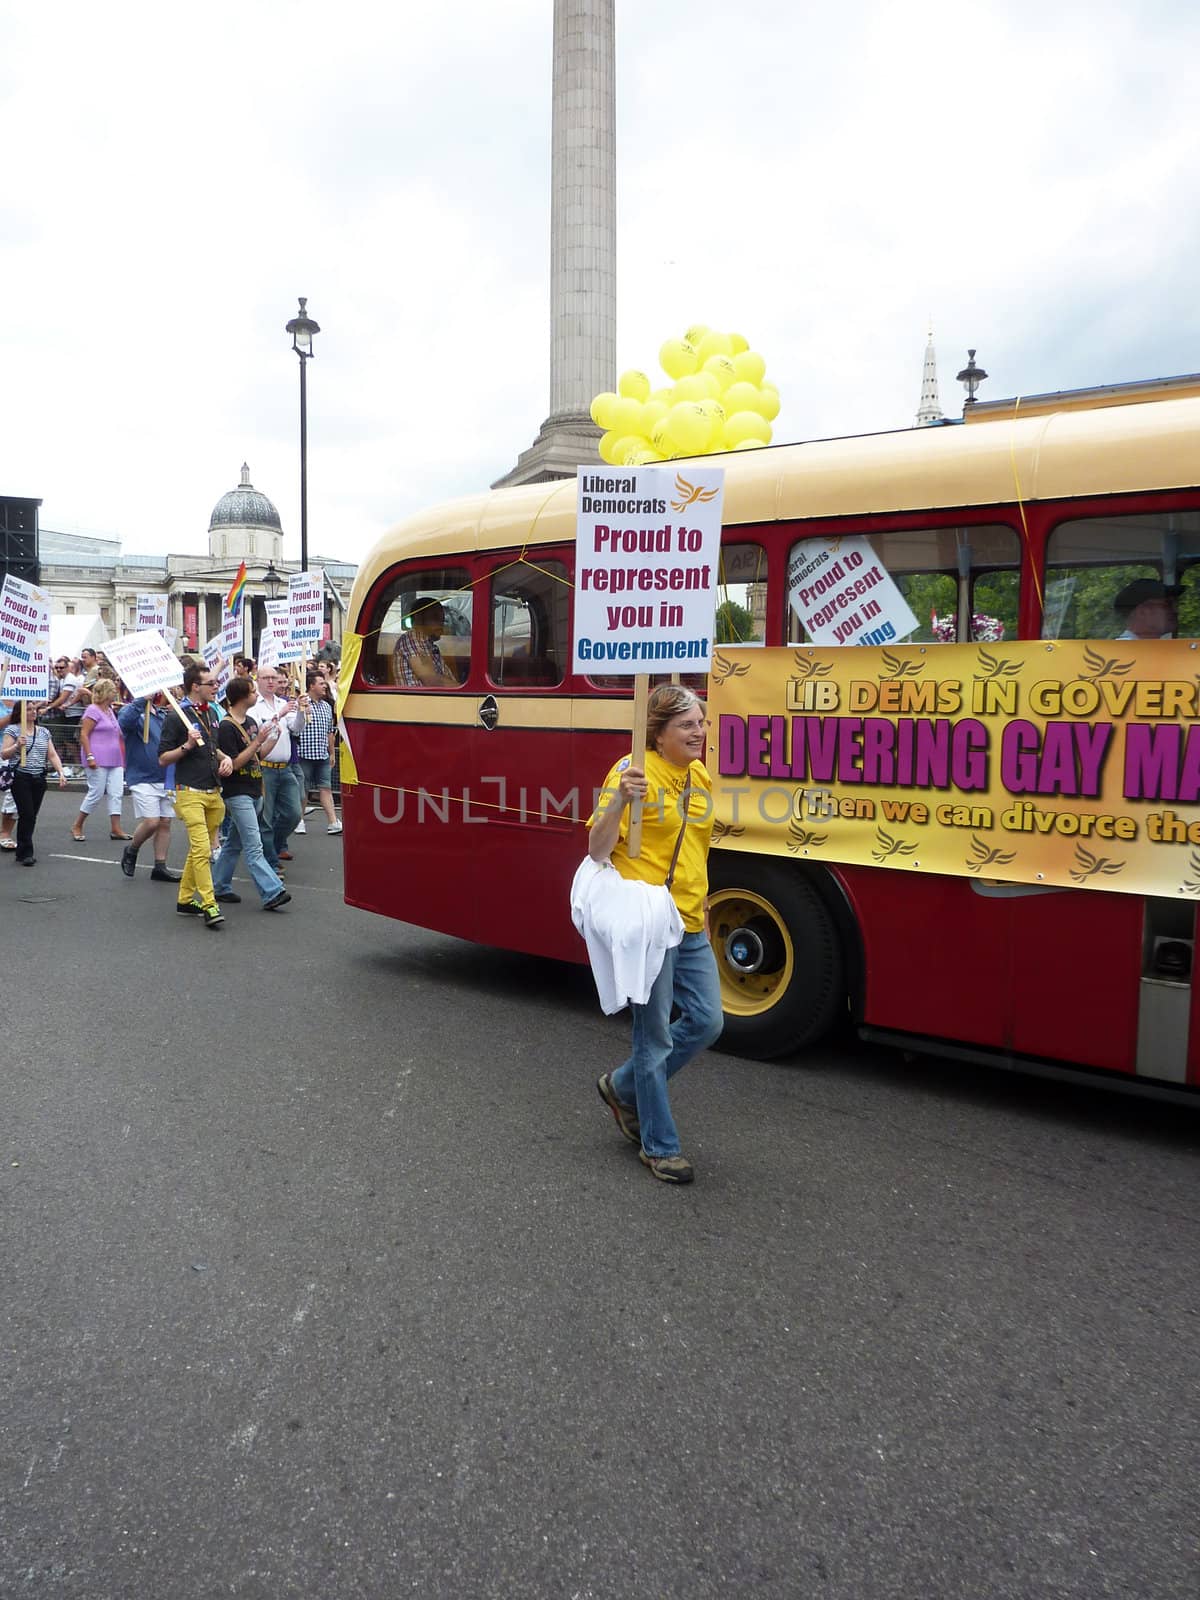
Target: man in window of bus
1147 609
419 662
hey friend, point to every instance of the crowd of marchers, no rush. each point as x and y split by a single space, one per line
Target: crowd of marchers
240 774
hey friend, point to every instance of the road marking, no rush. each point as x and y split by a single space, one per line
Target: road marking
104 861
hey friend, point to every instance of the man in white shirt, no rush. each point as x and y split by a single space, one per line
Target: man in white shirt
282 801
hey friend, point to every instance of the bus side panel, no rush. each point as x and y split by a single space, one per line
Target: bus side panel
402 858
935 955
1053 975
525 855
1076 977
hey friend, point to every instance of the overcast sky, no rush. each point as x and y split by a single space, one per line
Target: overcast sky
820 179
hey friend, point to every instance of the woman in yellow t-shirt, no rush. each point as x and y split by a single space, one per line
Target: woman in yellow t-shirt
672 780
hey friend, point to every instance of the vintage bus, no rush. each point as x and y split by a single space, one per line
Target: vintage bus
467 816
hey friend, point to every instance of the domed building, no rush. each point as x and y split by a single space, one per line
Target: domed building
244 525
90 580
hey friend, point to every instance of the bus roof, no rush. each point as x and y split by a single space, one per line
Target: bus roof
1117 450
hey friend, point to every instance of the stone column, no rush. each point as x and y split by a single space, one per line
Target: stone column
583 239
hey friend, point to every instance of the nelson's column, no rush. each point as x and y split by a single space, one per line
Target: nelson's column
583 240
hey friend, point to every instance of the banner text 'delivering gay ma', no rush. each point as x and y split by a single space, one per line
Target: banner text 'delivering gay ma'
1068 763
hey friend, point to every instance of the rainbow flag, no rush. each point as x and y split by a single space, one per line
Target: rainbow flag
233 600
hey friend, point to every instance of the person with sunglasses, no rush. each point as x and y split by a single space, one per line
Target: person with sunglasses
188 745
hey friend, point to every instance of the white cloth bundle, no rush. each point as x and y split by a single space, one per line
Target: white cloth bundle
628 926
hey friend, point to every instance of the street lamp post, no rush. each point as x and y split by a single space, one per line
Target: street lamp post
302 329
971 377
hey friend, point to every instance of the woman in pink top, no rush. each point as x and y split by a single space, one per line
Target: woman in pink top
103 752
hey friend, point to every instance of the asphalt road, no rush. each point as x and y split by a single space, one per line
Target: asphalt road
326 1274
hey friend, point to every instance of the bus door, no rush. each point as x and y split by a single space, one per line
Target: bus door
412 726
523 777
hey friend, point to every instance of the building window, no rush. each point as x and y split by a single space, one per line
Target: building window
250 544
70 610
106 616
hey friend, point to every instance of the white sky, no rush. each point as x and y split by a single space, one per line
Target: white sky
820 179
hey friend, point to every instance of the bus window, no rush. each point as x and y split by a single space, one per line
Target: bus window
419 636
741 614
1092 562
529 644
927 563
742 594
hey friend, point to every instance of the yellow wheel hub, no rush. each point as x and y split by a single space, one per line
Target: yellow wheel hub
754 951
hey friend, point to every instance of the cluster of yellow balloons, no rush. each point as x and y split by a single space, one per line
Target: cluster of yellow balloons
718 399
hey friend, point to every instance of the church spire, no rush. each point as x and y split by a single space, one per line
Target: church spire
930 408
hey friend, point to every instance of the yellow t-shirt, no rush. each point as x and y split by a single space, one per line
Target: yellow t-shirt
661 819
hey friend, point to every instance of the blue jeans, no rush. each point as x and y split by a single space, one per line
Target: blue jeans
281 808
242 810
688 980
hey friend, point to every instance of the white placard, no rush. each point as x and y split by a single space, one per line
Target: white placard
24 621
170 635
144 663
843 594
232 635
151 612
219 664
28 679
275 646
306 606
647 541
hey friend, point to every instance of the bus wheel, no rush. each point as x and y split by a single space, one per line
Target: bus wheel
778 954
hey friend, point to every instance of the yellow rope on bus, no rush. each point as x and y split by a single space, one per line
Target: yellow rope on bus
1012 456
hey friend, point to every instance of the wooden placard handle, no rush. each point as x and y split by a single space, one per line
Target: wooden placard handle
183 716
641 694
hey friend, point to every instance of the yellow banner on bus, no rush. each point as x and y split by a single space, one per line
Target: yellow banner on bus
1072 763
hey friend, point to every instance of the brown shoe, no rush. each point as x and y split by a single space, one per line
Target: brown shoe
626 1116
671 1169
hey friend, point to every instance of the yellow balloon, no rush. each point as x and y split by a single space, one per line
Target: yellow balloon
658 437
677 358
634 385
625 415
693 387
746 425
768 405
642 458
663 396
652 414
714 344
602 412
742 397
739 344
721 368
750 367
714 409
605 448
625 446
752 444
688 429
696 332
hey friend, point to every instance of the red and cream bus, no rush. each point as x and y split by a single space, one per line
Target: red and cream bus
467 814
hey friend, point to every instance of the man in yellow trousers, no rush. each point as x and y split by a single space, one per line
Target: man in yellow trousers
188 743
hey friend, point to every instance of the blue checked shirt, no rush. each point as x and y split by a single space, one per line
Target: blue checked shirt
314 735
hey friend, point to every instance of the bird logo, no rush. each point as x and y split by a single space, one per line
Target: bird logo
691 494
